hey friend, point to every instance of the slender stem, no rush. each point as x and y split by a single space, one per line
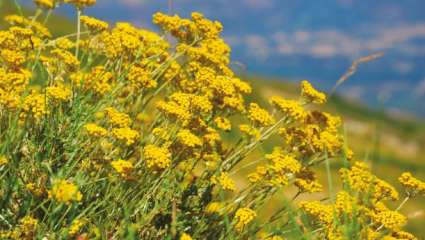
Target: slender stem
77 48
329 175
402 203
398 208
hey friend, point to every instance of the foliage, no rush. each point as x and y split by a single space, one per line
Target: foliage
120 133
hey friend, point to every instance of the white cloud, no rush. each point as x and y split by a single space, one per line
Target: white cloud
258 46
332 43
259 4
420 89
403 67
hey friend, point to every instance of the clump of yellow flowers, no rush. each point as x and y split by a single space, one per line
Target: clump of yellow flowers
119 132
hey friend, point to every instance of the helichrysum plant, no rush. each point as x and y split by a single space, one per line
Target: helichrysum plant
118 132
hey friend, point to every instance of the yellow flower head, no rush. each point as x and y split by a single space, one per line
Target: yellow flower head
3 160
243 217
185 236
259 116
188 139
291 108
412 185
223 123
95 130
48 4
93 24
225 182
157 157
123 167
322 213
81 3
65 191
127 135
310 94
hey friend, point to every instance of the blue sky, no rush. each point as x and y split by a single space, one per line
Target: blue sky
317 40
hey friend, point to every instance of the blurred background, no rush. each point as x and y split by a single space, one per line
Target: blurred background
277 43
315 40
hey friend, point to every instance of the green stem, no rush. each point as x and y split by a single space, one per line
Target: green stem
77 48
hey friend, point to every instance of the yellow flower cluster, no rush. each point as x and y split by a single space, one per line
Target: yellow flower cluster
188 139
59 93
360 179
123 167
389 219
277 173
290 108
3 160
213 207
413 185
322 213
126 135
259 116
243 217
223 123
157 157
76 226
94 24
310 94
117 118
49 4
140 78
81 3
35 105
65 191
224 181
95 130
185 236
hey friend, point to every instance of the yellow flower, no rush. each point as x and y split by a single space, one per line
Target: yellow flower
413 185
35 105
12 58
59 93
28 226
65 191
3 160
95 130
258 175
213 207
68 59
127 135
94 24
292 109
185 236
259 116
225 182
49 4
249 131
140 78
64 43
117 118
223 123
123 167
322 213
81 3
157 157
311 94
389 219
283 162
76 226
243 217
188 139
